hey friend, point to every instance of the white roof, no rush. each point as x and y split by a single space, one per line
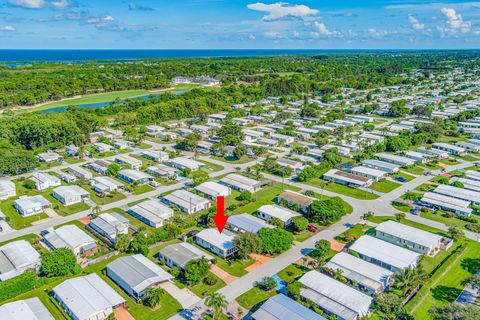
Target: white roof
40 177
459 193
183 252
15 257
128 160
109 182
447 146
240 181
368 171
213 189
33 202
138 272
28 309
86 296
68 236
222 240
381 164
276 211
153 210
386 252
446 201
472 174
185 199
134 174
468 183
335 296
186 162
6 187
74 190
359 270
395 158
408 233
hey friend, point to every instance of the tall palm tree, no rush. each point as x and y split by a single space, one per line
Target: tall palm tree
410 279
215 301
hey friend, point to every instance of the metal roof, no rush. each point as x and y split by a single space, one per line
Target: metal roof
248 223
240 181
137 272
15 257
182 253
33 202
213 189
68 236
110 223
458 193
386 252
152 210
276 211
28 309
74 190
281 307
408 233
335 296
86 296
222 240
185 199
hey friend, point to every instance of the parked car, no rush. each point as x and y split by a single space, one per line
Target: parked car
400 179
312 228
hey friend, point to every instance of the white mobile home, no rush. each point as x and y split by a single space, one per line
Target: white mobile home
186 201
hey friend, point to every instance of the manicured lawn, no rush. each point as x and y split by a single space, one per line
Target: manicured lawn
349 191
74 160
142 189
201 289
353 233
234 160
417 170
384 186
451 161
380 219
404 175
447 221
68 210
401 206
131 204
112 197
236 267
253 297
302 236
426 187
31 237
291 273
210 167
168 307
15 219
445 284
265 196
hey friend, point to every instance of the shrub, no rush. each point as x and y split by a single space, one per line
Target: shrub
267 284
16 286
210 279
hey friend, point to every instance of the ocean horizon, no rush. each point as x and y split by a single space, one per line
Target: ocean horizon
56 55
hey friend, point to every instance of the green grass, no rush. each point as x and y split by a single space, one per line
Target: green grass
112 197
210 167
302 235
133 221
348 191
403 175
424 227
385 186
31 237
445 288
254 297
447 221
244 159
68 210
169 306
144 188
265 196
348 208
353 233
201 289
74 160
400 206
236 267
424 187
417 170
291 273
15 219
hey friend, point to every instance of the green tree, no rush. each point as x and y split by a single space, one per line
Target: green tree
275 240
217 302
409 279
153 297
299 224
267 284
473 281
245 196
456 233
112 169
454 311
59 262
328 211
399 216
322 250
247 243
122 242
389 304
29 184
239 152
458 184
198 177
195 270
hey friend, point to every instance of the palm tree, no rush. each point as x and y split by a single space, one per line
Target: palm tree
216 301
409 279
96 210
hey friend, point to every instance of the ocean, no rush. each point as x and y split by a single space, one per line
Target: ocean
47 55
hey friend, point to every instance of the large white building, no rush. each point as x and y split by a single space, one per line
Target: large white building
17 257
68 195
458 193
30 205
87 298
334 297
385 254
443 202
222 244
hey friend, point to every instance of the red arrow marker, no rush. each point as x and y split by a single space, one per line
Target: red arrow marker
220 219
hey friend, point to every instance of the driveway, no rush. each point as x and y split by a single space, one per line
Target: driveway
184 296
259 260
122 314
222 274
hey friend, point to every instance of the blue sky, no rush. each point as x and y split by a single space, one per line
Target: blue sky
302 24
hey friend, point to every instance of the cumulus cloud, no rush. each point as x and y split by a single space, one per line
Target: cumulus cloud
455 21
251 37
60 4
416 24
282 11
29 4
322 30
7 28
139 7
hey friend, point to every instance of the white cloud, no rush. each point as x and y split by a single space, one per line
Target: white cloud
108 18
7 28
322 30
378 34
30 4
251 37
455 21
282 10
295 34
60 4
416 24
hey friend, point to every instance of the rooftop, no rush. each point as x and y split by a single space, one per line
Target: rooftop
276 211
28 309
185 198
411 234
281 307
222 240
68 236
182 253
248 222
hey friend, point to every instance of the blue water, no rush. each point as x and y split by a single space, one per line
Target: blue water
281 284
102 104
25 55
